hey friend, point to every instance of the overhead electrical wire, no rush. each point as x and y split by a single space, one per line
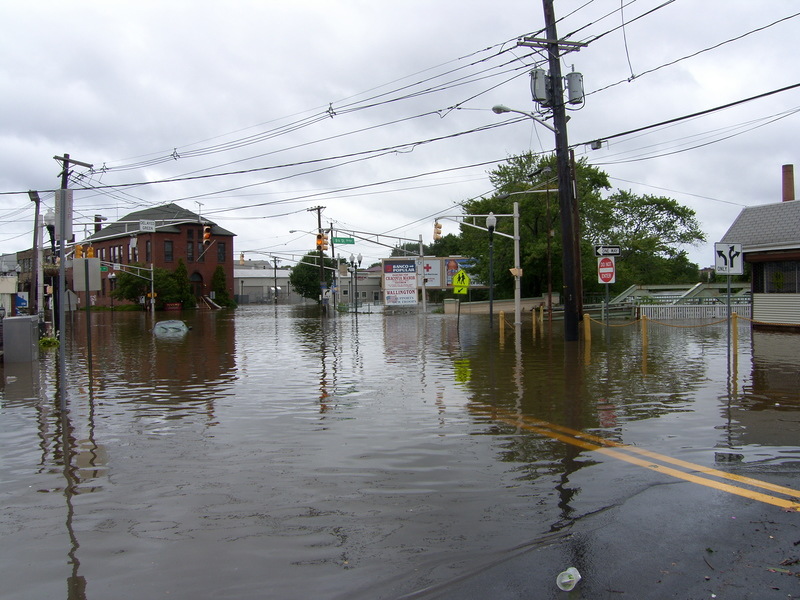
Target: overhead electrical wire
692 115
354 106
693 54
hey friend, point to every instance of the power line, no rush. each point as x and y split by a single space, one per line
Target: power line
692 115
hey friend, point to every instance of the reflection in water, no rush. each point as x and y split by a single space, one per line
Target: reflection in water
274 449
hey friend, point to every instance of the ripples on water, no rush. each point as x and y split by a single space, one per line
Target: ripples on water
270 449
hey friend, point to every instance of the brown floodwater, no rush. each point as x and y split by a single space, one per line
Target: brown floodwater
271 453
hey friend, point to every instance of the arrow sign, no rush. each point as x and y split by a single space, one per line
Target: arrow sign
605 250
606 270
728 259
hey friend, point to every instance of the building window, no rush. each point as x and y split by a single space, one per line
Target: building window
221 252
168 253
148 254
782 277
190 251
200 256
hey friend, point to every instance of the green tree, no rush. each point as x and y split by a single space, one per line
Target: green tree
650 229
305 278
219 285
132 287
183 288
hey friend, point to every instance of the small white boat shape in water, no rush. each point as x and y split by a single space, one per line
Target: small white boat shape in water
170 329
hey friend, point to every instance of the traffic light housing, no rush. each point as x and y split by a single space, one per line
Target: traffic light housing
437 231
324 242
78 251
320 241
206 235
90 252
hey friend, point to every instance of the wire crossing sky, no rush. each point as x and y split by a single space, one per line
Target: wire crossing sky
380 112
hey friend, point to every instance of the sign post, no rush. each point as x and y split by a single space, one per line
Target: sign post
606 273
728 260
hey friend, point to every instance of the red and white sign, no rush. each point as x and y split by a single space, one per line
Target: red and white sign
606 270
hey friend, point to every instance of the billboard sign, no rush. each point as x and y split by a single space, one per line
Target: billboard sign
400 282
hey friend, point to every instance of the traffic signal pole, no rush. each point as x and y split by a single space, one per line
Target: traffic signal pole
321 258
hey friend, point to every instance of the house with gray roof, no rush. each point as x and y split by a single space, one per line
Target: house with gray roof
770 238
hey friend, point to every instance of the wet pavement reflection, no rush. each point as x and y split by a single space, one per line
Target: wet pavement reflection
271 453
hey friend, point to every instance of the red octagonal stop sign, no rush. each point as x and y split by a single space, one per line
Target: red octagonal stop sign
606 270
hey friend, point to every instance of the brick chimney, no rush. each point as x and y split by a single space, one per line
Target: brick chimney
788 183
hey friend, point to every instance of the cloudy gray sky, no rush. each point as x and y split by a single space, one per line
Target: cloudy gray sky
253 112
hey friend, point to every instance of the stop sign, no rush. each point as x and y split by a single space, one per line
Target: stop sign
606 270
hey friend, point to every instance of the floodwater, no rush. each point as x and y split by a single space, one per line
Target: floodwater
269 453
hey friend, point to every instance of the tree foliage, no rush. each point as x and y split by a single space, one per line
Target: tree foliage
183 288
219 285
169 286
305 276
649 229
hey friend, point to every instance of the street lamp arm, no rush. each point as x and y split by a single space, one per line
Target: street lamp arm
499 109
468 224
531 191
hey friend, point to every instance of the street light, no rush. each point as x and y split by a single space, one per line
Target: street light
355 262
491 223
549 237
112 279
275 278
499 109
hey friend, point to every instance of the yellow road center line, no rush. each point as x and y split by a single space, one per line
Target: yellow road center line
618 451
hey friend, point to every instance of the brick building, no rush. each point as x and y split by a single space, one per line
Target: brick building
162 236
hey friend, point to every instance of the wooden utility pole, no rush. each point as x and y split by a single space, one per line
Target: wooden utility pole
570 257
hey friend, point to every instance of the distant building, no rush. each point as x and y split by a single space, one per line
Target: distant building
770 238
162 236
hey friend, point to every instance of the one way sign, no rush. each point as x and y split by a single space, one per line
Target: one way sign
606 250
728 259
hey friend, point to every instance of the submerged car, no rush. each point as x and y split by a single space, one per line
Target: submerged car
172 328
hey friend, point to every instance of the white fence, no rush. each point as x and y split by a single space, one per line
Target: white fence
660 312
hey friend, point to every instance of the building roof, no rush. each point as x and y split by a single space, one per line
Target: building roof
766 227
281 273
166 216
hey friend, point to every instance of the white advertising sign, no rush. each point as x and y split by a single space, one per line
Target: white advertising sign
400 283
432 272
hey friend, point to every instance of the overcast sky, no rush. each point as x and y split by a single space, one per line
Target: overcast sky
380 111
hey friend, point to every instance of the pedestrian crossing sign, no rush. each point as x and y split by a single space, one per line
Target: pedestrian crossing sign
460 282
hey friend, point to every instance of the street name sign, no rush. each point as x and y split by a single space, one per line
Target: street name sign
343 240
606 250
606 269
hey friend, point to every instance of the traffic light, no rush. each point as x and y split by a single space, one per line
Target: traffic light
206 235
437 231
320 241
90 252
324 242
78 251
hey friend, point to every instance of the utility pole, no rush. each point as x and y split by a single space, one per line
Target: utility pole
61 227
566 192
